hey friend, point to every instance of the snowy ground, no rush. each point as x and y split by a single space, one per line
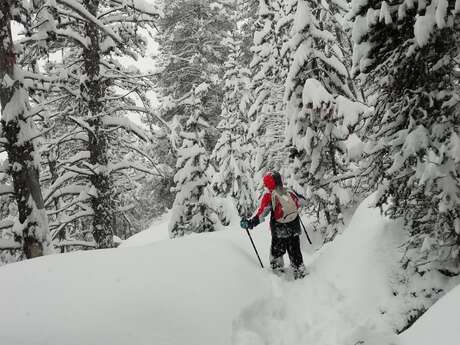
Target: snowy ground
208 289
157 231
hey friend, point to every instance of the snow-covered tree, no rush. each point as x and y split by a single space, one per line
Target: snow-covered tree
321 110
233 151
193 49
194 208
269 70
18 134
92 92
408 52
192 43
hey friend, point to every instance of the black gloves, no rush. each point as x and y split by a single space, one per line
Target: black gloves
249 223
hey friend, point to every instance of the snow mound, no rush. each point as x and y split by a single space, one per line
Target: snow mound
158 231
439 325
341 300
184 291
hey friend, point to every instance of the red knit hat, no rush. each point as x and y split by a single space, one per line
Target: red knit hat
269 181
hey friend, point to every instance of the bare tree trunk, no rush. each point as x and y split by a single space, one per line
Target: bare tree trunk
103 202
16 129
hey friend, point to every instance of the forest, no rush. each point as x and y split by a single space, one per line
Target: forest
344 99
118 113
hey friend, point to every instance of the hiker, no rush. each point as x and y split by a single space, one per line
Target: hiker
284 224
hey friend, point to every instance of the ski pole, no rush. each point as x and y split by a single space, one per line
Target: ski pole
255 249
305 230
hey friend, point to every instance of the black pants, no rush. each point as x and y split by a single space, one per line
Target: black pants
279 247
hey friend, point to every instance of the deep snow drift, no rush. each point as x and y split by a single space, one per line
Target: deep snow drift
209 290
185 291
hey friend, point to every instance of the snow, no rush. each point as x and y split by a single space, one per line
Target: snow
344 293
8 243
158 231
424 25
81 10
437 326
209 289
168 292
385 15
315 94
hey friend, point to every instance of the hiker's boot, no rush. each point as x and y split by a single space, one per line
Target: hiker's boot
277 265
299 272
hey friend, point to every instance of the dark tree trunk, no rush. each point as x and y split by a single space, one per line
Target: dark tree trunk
20 152
94 89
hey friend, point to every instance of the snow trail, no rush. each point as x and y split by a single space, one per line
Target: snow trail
343 300
308 311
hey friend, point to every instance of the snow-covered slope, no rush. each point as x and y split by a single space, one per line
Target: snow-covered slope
157 231
342 299
185 291
439 325
208 289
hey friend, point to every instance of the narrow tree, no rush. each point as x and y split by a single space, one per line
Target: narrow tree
193 208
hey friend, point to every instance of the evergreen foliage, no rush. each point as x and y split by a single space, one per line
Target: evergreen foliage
408 53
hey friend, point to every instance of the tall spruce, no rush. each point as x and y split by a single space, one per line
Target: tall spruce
407 51
321 109
269 68
233 151
192 55
193 210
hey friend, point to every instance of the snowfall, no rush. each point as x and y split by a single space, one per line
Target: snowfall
209 289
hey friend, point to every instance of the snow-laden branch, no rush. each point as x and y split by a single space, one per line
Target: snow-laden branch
145 111
139 6
83 124
129 165
146 156
128 19
79 201
6 224
82 11
68 220
80 156
9 244
38 135
6 190
57 190
126 124
75 243
79 171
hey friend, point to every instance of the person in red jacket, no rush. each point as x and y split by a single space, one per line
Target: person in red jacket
285 228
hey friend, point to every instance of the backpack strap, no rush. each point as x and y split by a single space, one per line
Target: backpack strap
273 195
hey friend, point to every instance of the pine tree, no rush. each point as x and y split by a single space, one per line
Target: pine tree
321 110
193 209
18 139
269 68
193 50
233 151
91 93
407 54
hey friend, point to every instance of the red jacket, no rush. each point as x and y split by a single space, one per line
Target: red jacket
266 206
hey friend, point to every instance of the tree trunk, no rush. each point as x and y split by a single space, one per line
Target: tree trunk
20 148
103 202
